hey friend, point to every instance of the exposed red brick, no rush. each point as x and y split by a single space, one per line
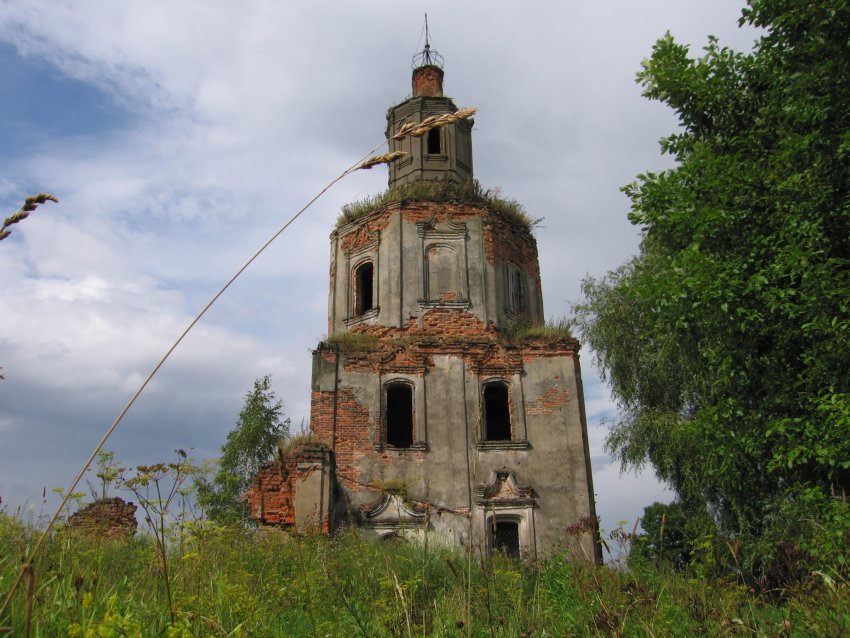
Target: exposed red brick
363 231
507 243
343 424
427 81
416 211
111 517
552 399
271 497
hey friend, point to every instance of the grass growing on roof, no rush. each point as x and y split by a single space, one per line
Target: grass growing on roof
288 444
351 341
470 192
553 329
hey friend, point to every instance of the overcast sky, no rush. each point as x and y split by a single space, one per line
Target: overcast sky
179 136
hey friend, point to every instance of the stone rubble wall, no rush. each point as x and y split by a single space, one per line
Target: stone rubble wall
112 517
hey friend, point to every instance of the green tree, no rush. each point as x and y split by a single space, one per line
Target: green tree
249 445
726 340
672 533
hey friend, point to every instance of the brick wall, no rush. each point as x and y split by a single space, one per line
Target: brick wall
362 232
427 81
552 399
272 494
505 242
112 517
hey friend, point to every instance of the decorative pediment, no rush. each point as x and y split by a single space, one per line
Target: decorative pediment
504 491
450 230
424 226
394 512
498 360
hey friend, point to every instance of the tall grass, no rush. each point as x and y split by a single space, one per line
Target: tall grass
239 582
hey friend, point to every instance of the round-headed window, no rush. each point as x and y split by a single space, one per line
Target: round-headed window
364 287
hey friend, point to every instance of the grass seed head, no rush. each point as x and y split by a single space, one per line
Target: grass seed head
433 121
386 158
30 204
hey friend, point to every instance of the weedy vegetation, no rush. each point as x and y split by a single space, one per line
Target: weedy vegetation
350 341
231 580
470 192
552 330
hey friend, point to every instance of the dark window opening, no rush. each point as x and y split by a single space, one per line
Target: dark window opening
364 278
505 538
434 146
516 298
497 414
400 416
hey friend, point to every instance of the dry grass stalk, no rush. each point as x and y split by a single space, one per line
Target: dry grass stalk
431 122
30 204
29 578
386 158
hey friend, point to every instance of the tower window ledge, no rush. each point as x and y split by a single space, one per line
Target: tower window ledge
369 314
415 447
520 444
463 304
436 158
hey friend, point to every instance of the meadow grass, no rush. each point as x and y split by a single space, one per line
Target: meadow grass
248 582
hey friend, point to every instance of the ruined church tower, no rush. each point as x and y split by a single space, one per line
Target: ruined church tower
430 409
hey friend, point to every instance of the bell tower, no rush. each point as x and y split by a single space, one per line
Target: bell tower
441 153
440 401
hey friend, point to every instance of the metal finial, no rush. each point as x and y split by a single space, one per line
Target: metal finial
427 57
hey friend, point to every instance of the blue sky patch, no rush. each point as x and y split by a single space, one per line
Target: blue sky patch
41 103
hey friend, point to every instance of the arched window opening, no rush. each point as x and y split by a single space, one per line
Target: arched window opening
400 415
434 142
505 538
497 413
364 285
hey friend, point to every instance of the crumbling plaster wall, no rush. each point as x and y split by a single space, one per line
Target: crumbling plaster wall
478 245
548 450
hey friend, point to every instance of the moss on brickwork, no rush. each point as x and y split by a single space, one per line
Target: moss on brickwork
442 191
